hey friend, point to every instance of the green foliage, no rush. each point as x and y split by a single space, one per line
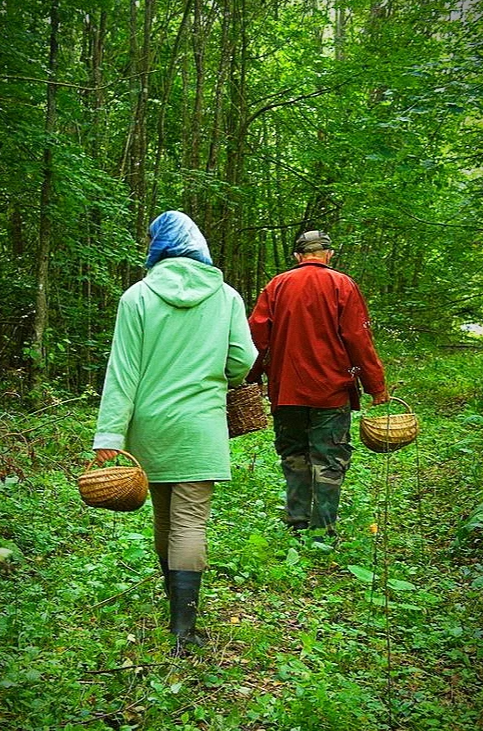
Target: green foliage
297 637
471 528
364 119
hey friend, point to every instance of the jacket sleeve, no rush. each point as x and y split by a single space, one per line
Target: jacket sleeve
241 351
355 331
122 379
260 326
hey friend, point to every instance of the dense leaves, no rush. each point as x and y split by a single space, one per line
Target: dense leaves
259 120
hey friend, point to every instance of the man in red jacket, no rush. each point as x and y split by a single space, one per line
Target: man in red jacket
311 328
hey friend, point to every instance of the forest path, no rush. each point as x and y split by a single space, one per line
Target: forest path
382 632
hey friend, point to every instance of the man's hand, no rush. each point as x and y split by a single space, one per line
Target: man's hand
380 398
104 454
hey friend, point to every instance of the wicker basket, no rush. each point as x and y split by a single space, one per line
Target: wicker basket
115 488
245 410
390 432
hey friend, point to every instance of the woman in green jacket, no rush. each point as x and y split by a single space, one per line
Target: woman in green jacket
181 339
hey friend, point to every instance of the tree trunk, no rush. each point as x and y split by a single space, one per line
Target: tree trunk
202 25
46 195
340 32
136 143
236 125
16 230
140 129
166 92
211 208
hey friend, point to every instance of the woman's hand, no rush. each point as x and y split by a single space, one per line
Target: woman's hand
104 454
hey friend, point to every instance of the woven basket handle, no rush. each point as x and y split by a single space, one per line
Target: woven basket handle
395 398
119 451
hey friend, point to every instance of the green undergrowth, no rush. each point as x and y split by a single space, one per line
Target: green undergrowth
381 632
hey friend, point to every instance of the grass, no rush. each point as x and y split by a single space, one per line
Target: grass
382 633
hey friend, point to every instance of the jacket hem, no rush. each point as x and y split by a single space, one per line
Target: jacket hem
188 478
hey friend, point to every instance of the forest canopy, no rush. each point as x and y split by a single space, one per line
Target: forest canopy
259 120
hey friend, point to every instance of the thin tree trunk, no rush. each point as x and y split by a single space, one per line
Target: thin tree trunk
137 139
222 72
236 134
199 44
340 32
95 25
128 168
202 25
16 230
261 260
212 162
145 66
46 195
168 85
185 107
280 201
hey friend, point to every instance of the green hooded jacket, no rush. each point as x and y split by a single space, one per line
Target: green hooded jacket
181 338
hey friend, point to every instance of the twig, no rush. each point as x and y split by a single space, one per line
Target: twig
100 716
441 223
266 227
52 406
130 568
120 668
68 84
462 346
126 591
301 97
387 603
15 434
39 426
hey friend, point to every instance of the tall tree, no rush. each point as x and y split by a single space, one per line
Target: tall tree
46 199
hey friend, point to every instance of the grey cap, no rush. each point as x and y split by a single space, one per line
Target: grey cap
312 241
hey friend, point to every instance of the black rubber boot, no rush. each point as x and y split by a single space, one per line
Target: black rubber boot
184 590
165 570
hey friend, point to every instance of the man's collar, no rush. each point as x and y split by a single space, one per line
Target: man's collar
313 262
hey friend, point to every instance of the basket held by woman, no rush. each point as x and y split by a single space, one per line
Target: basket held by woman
389 432
115 488
245 410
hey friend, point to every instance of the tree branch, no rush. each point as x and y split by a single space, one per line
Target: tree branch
295 100
34 80
441 223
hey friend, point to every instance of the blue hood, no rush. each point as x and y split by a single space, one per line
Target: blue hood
174 234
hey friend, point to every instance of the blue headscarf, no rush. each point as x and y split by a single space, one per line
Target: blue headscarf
174 234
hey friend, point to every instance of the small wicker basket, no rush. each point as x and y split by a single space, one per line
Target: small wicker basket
115 488
245 410
390 432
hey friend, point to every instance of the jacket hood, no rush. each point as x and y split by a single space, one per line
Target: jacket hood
173 234
183 282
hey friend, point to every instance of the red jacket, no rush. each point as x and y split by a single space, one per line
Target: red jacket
311 327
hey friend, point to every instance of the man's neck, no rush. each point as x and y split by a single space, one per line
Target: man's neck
314 260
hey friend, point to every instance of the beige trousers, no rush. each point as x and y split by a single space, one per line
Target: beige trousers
181 511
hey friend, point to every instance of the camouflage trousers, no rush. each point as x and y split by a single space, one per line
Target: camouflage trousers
315 450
